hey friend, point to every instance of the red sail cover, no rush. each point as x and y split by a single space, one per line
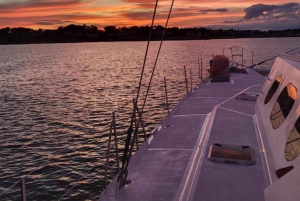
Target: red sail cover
219 67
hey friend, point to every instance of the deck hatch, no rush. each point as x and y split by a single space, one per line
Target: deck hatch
228 153
247 96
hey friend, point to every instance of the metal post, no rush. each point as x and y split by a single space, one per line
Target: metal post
191 79
231 55
116 142
201 70
242 57
135 122
252 57
138 111
166 94
186 84
23 188
107 154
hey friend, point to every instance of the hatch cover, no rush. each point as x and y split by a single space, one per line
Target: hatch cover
236 154
247 96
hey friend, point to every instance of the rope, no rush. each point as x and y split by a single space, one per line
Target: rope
130 129
124 170
146 53
274 57
157 56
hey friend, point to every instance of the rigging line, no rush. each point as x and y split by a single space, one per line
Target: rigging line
273 57
157 56
130 129
148 89
146 53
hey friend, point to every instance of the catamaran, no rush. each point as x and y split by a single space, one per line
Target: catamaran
234 137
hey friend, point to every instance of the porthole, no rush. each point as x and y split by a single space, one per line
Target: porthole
283 105
273 89
292 147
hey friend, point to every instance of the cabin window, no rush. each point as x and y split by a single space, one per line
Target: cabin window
283 105
273 89
292 147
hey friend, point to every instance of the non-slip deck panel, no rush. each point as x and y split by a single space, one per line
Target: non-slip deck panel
156 175
232 182
179 132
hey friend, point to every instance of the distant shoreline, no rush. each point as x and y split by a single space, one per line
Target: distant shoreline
82 33
182 39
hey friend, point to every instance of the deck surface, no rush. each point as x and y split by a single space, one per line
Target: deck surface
173 164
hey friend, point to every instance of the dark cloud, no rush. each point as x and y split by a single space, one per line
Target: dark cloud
232 21
290 10
53 22
48 20
267 25
141 1
267 17
160 15
219 10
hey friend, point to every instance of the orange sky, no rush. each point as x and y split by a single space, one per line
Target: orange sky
242 14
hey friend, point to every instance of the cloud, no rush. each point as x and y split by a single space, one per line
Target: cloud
290 10
267 17
52 22
219 10
142 1
178 14
267 25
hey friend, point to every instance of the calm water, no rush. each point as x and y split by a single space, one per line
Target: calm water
56 102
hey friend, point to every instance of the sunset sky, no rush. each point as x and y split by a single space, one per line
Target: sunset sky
226 14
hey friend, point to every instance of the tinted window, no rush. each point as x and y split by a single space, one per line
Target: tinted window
292 148
273 89
283 105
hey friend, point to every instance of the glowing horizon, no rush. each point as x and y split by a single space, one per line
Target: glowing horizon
50 14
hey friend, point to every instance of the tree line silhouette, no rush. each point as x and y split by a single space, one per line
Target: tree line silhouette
85 33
